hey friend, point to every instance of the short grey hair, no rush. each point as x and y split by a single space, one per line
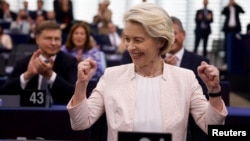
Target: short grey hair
177 21
155 21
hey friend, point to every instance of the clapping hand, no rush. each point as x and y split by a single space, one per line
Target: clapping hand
37 66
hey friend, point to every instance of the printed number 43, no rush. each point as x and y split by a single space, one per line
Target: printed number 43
37 98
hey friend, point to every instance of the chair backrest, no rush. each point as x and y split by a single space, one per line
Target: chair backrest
5 25
217 45
19 38
2 66
19 51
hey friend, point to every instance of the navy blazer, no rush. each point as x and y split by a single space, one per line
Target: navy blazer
65 66
226 12
205 20
191 61
13 15
33 14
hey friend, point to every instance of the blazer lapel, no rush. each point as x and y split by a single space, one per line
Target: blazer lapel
132 96
168 102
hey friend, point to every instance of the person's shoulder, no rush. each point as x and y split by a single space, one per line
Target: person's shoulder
198 10
175 70
65 57
196 56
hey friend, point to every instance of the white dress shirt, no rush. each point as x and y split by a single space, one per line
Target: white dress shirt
232 21
148 116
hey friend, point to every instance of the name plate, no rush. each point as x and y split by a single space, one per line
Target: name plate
33 98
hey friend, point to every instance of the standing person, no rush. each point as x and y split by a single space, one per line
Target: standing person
105 14
39 11
232 24
130 93
7 15
60 70
27 11
181 57
203 19
64 14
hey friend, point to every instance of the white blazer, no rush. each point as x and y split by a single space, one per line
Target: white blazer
115 94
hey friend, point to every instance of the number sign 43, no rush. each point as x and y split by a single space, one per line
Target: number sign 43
33 98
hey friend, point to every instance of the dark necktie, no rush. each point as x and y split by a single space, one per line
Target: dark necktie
114 39
21 27
44 86
205 12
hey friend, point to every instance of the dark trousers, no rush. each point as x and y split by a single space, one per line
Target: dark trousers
194 133
99 130
227 34
198 37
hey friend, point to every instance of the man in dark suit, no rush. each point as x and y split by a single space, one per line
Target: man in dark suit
203 19
49 63
112 40
232 24
181 57
6 15
39 11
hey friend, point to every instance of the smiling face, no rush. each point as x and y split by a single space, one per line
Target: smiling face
49 41
143 49
79 37
179 39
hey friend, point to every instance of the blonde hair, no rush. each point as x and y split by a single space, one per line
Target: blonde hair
155 21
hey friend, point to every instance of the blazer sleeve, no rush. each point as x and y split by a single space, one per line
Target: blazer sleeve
64 84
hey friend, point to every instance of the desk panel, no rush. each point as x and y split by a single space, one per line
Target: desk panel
48 123
238 116
53 123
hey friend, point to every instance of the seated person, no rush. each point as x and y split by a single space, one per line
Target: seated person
5 41
80 44
39 19
112 40
22 24
5 47
60 70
